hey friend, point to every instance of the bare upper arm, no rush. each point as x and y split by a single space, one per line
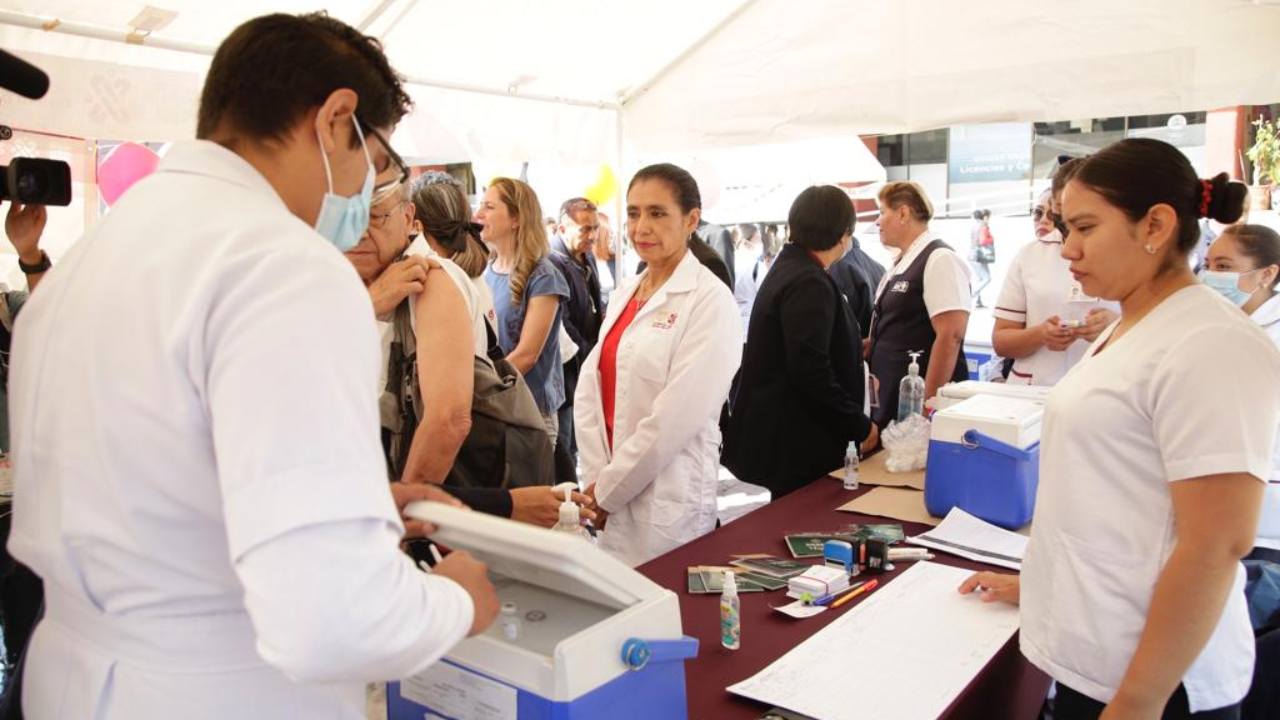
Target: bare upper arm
951 323
445 344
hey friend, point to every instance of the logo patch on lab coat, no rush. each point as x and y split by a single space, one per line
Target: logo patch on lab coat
901 286
665 323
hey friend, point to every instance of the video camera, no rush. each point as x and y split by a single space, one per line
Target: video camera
32 181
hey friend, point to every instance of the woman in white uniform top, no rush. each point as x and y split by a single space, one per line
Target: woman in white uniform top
1037 305
1243 264
1151 477
647 409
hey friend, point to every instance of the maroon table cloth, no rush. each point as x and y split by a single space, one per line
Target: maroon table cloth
1008 687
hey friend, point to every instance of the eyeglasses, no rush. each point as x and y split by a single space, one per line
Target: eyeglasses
379 220
391 153
1038 213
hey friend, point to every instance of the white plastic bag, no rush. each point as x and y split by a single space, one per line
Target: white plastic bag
907 444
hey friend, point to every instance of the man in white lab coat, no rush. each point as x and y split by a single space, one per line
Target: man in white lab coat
199 480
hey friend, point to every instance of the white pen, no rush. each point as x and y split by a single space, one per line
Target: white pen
910 554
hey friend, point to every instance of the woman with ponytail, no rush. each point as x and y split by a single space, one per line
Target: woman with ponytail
1152 466
527 290
442 220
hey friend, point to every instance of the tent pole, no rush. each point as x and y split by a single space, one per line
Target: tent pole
620 225
373 15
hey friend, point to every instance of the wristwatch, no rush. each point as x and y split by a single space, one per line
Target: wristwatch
42 266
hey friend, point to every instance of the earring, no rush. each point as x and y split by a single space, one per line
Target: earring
1150 250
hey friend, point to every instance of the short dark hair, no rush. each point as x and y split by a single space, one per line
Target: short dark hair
820 216
576 205
272 69
1067 167
1259 243
1136 174
683 186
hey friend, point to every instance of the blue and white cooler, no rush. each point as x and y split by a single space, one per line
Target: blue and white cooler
984 458
581 635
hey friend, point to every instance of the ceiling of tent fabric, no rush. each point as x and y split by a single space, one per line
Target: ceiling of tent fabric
820 67
526 78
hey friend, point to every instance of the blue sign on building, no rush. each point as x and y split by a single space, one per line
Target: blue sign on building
990 153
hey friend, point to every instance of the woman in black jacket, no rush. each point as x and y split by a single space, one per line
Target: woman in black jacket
799 397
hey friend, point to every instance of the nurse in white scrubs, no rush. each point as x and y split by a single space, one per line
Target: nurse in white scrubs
198 477
1152 472
1044 321
1243 264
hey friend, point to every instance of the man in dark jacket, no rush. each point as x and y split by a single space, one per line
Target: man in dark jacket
858 276
800 395
571 253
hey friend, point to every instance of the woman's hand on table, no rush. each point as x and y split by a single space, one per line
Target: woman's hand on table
993 587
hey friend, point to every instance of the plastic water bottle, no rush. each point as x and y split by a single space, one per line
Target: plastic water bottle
730 613
851 467
911 390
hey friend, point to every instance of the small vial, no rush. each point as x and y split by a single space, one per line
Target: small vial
510 621
851 467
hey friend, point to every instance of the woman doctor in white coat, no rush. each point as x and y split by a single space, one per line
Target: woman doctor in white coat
1243 265
1151 473
647 408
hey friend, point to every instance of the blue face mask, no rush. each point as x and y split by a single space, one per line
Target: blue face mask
343 220
1227 284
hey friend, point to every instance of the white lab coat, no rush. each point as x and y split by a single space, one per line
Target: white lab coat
1268 318
198 474
675 363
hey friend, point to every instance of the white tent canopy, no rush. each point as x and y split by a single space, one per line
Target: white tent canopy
571 80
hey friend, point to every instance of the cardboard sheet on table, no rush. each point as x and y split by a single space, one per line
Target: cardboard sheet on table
873 472
902 504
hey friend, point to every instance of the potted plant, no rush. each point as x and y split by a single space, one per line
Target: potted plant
1265 156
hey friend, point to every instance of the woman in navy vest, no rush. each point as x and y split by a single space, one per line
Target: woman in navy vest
922 304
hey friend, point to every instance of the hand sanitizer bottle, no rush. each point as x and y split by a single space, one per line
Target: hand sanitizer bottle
571 520
851 467
730 613
911 390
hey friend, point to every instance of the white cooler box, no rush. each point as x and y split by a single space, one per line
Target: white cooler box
984 458
596 638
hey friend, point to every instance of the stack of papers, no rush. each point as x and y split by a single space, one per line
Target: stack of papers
965 535
818 581
870 662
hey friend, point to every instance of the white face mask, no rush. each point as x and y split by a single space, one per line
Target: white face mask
342 220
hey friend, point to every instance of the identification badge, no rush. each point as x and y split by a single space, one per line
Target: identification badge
665 323
1076 294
